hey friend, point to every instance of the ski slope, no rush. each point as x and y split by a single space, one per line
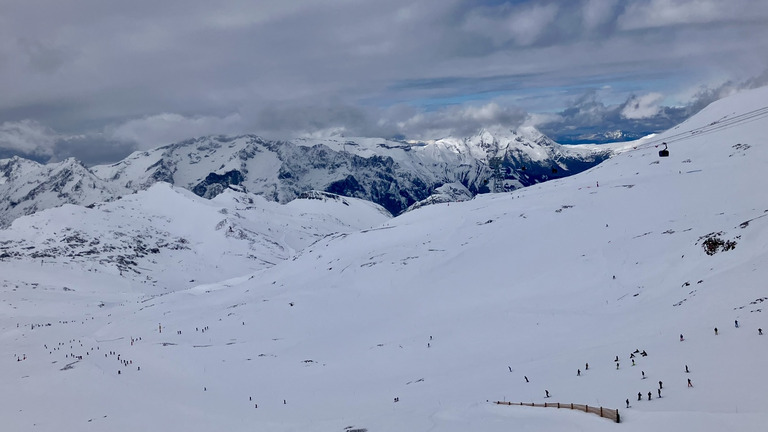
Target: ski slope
447 308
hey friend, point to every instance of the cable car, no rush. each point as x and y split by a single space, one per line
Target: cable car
664 152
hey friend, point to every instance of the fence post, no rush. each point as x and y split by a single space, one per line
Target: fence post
571 405
586 408
617 417
558 404
601 411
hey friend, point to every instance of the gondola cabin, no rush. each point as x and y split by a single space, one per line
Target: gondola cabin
664 152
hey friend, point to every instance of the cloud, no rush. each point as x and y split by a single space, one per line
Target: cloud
167 128
640 107
32 140
662 13
596 13
459 121
399 121
280 68
27 137
523 25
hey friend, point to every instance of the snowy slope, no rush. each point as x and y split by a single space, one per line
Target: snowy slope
167 238
447 307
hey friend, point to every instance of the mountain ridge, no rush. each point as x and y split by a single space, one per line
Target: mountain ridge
394 174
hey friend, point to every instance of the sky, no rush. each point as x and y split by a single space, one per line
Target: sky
96 80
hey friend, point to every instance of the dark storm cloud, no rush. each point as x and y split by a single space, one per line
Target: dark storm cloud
144 72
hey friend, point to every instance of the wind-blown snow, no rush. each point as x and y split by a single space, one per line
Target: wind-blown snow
447 307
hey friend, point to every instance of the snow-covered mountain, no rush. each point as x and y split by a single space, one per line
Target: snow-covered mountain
363 322
390 173
523 157
27 187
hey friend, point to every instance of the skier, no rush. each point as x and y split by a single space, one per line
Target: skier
643 372
659 390
649 395
716 330
660 385
689 383
644 354
510 368
578 372
760 331
627 403
616 359
526 378
617 365
686 369
586 366
736 322
546 392
633 362
681 337
639 396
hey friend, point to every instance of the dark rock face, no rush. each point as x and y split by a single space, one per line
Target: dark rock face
521 168
214 183
349 186
161 172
